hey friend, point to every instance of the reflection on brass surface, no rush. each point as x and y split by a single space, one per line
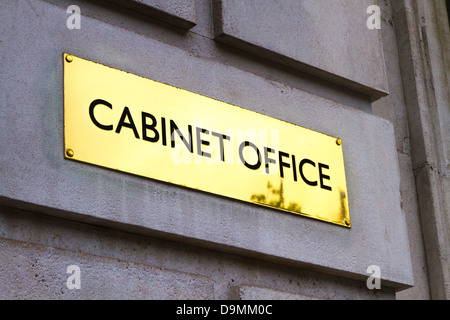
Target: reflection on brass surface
275 198
121 121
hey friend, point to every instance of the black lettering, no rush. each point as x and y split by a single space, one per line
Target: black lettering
122 123
91 113
268 160
221 137
201 142
323 176
163 131
294 168
146 127
250 166
282 154
311 183
173 128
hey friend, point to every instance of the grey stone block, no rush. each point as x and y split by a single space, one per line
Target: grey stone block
180 13
225 270
412 215
36 272
247 292
315 32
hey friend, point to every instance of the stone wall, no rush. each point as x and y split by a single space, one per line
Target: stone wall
314 64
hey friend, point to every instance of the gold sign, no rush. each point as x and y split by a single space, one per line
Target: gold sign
121 121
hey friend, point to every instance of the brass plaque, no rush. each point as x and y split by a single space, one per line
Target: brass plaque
121 121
